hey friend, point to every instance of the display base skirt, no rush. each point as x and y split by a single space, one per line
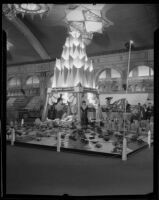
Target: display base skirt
84 152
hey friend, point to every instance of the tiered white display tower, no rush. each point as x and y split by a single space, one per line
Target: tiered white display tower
73 73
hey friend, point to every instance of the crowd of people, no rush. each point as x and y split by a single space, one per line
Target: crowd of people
139 122
145 112
57 110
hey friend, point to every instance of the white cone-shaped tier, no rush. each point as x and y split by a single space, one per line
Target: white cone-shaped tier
90 75
94 86
74 67
77 78
62 79
71 81
85 82
68 79
58 64
59 80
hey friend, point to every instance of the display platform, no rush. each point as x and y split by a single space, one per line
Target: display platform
92 139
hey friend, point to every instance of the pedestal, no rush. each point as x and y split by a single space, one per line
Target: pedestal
149 139
58 141
124 152
12 136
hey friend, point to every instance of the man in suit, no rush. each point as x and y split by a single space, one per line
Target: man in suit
149 111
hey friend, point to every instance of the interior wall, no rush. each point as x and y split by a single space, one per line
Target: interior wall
44 71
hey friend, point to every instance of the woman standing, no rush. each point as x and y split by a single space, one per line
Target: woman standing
84 114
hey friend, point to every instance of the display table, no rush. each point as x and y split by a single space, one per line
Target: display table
91 139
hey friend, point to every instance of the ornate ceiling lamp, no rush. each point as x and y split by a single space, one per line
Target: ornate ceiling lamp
87 19
32 9
11 10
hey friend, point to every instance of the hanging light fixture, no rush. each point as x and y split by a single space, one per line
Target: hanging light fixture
87 19
31 8
11 10
87 38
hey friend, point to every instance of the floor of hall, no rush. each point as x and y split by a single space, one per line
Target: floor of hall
45 172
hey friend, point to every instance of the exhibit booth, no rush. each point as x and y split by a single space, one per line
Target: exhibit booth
74 116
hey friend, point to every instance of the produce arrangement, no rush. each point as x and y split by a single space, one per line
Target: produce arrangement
91 138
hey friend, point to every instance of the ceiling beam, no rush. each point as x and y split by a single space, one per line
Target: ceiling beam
30 37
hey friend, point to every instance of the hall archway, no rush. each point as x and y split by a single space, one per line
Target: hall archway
141 79
32 86
109 80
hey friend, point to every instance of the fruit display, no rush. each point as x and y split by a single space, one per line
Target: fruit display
106 137
74 136
98 145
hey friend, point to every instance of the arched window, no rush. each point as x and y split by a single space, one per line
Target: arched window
109 80
141 71
14 82
115 74
102 75
33 80
130 74
111 73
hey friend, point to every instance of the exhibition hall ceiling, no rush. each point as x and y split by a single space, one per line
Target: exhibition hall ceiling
39 39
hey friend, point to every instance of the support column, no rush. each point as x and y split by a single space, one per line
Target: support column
124 77
124 152
44 94
78 89
79 105
45 109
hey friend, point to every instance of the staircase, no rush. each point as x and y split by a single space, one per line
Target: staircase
10 102
34 103
15 105
20 102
